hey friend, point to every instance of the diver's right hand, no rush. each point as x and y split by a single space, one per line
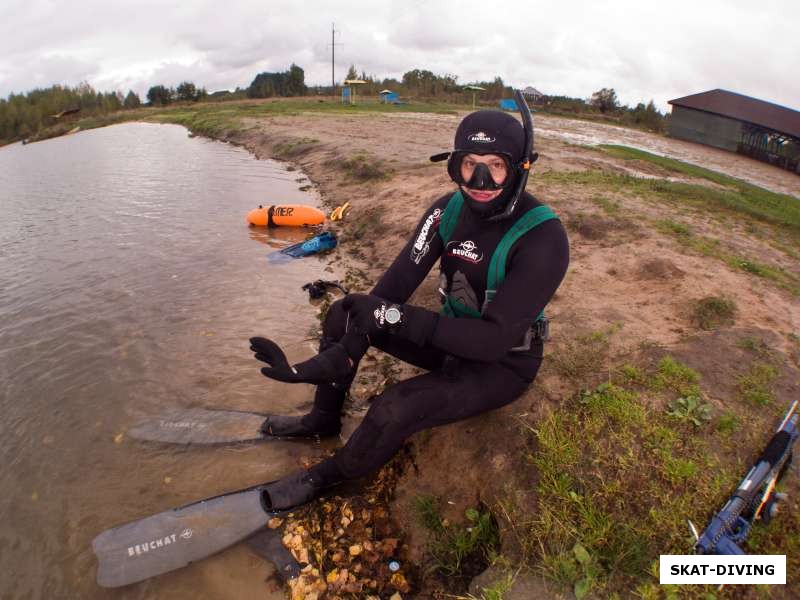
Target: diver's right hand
329 366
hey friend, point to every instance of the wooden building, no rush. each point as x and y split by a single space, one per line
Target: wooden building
532 95
738 123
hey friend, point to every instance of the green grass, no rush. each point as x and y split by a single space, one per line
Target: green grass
741 196
736 198
621 466
615 477
617 481
674 375
610 207
450 545
756 386
728 423
498 589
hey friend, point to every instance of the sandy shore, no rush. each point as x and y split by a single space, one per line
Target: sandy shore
627 275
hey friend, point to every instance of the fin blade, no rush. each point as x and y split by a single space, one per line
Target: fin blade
174 538
268 544
200 426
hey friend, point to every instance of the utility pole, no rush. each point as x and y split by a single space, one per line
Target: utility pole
333 59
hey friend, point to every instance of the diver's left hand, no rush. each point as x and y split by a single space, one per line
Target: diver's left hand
367 314
329 366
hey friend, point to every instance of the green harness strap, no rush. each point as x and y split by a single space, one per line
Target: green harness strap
450 216
497 266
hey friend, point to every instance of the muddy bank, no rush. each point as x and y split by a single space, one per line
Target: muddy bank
628 275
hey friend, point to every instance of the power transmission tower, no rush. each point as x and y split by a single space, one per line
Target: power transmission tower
333 45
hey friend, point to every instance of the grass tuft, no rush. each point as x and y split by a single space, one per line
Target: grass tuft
712 312
584 355
756 386
455 548
674 375
362 167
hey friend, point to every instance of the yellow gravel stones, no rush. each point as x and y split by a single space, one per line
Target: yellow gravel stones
345 546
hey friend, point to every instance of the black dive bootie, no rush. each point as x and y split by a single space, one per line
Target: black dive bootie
315 424
293 490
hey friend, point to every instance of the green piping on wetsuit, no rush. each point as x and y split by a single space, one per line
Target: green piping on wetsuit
497 266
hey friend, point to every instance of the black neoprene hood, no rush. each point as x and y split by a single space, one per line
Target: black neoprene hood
491 132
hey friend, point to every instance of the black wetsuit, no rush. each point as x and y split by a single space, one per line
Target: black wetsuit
472 368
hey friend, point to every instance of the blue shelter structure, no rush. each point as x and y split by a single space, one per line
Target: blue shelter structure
389 97
349 90
509 104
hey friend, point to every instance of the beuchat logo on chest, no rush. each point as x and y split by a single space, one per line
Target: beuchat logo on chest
466 250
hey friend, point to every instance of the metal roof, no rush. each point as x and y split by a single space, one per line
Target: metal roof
744 108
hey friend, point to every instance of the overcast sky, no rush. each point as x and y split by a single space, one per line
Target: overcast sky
642 49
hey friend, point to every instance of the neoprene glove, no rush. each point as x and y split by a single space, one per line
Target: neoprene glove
370 315
331 365
366 313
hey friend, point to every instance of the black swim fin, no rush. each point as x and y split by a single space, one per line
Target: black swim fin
206 426
268 544
174 538
201 426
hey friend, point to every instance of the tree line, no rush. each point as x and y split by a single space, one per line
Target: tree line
421 83
605 103
160 95
23 115
418 83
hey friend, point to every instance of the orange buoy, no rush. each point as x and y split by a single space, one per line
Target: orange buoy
297 215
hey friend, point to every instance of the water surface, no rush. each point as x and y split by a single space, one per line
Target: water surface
130 284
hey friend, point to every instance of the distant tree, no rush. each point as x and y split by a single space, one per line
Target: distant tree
111 101
131 100
646 116
159 95
88 99
295 81
562 104
287 83
605 100
187 92
351 73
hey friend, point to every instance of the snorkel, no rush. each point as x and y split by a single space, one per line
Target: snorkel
528 158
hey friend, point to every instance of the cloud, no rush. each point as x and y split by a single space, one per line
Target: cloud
33 72
643 50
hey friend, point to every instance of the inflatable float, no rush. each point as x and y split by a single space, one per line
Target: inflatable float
293 215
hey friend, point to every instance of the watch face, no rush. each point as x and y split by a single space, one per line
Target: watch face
393 315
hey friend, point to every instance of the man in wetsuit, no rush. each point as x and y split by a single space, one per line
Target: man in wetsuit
502 256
